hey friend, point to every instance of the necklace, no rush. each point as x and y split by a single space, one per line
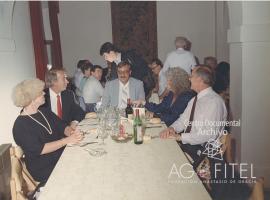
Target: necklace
48 130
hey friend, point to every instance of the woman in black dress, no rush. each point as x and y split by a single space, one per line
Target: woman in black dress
39 132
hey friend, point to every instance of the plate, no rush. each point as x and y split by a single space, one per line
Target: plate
121 139
155 121
91 115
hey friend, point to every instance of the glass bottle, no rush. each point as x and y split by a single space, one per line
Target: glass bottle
129 110
137 128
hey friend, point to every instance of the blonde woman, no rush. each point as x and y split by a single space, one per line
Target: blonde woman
174 104
38 131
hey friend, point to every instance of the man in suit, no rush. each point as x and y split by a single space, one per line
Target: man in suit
119 90
60 100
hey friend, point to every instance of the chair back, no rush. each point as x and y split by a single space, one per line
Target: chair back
226 147
21 182
257 191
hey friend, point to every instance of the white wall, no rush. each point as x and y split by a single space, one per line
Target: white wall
195 20
84 27
249 38
16 63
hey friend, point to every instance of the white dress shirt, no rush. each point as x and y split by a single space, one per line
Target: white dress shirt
78 77
162 82
209 109
121 87
53 98
118 59
180 58
92 90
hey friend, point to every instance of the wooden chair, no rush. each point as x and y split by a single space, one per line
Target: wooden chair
21 183
226 148
202 166
257 191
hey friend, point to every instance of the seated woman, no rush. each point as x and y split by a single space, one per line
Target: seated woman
39 132
176 100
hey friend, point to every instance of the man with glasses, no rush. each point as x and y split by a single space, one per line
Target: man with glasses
156 67
119 90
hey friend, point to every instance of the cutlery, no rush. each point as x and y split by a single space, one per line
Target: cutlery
96 152
158 126
84 144
90 124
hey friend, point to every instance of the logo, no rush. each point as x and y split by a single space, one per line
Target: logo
213 149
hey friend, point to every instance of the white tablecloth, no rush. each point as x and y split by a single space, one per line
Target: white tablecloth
126 172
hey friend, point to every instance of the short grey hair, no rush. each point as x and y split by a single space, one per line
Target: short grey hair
180 42
51 76
179 78
206 73
27 91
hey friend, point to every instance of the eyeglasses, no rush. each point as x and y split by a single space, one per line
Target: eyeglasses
123 72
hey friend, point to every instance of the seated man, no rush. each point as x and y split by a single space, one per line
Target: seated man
206 109
60 100
211 62
119 90
93 90
86 70
79 74
156 67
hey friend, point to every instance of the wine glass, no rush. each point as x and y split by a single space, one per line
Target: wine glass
112 119
101 131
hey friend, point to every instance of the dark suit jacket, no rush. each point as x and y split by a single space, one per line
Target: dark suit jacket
70 110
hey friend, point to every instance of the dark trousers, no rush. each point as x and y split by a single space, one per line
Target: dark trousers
90 107
193 150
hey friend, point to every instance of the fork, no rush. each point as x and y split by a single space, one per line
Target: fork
84 144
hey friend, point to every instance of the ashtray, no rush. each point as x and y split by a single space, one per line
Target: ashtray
121 138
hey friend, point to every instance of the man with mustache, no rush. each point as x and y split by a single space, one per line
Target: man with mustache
119 90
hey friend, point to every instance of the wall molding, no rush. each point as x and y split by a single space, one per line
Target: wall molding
7 43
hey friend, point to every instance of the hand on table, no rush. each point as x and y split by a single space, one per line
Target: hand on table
169 133
75 137
138 103
74 124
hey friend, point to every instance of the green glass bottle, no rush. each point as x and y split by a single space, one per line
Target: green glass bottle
137 128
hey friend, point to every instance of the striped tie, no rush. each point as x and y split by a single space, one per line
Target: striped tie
124 97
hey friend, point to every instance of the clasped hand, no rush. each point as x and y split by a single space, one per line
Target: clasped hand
169 133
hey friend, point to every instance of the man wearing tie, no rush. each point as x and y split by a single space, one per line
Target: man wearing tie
119 90
60 100
199 123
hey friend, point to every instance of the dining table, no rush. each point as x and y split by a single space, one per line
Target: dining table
155 170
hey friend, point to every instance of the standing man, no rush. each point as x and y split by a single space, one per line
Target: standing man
201 119
138 65
60 100
119 90
180 57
